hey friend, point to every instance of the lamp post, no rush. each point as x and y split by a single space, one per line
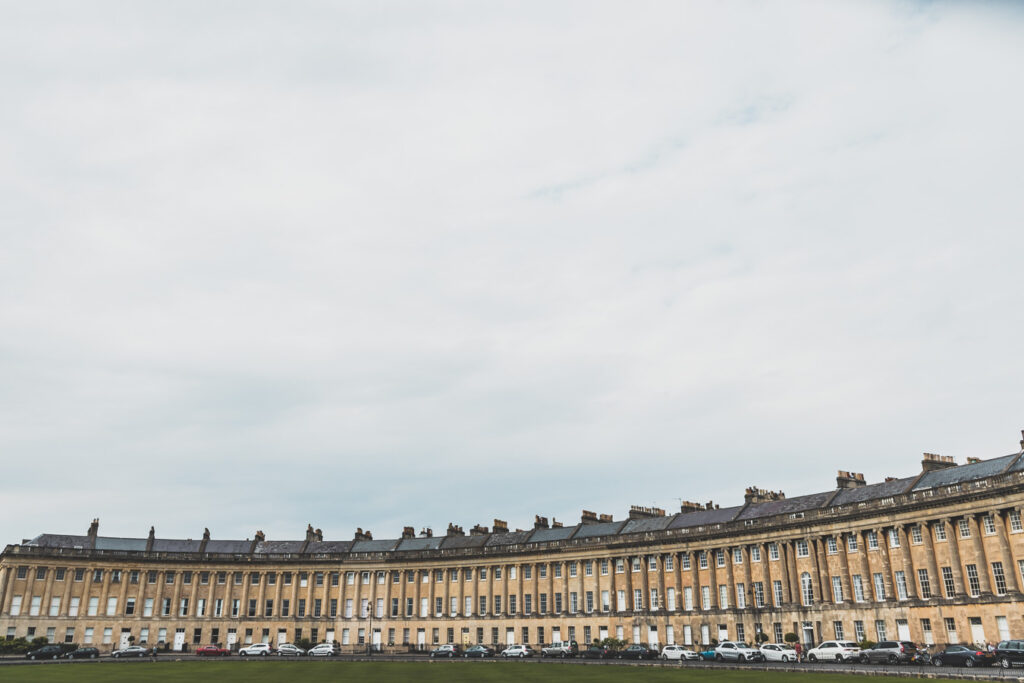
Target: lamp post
369 635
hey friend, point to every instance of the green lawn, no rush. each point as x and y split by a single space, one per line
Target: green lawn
371 672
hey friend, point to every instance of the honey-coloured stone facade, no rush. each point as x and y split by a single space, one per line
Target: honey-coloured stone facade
936 557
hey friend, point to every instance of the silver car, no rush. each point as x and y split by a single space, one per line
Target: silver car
728 651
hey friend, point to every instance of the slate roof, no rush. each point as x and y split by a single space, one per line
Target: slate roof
511 538
471 541
635 526
872 491
555 534
131 544
60 541
317 547
380 546
786 506
279 547
420 543
599 529
232 547
703 517
958 475
172 545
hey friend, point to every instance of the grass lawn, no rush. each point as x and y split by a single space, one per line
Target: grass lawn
372 672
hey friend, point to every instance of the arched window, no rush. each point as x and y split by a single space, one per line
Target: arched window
807 588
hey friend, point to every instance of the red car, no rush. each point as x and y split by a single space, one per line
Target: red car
212 651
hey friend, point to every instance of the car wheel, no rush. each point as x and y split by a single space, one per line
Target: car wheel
937 661
813 658
564 655
263 654
1005 662
839 658
450 655
863 659
968 662
785 658
92 656
718 658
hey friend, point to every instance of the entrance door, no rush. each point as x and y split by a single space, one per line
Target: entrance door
670 635
902 629
421 638
124 639
281 636
556 635
602 632
705 634
179 639
652 637
808 634
232 638
636 634
376 639
977 631
510 636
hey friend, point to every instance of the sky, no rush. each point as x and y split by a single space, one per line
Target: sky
364 264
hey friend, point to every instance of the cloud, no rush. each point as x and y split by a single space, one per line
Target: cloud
357 266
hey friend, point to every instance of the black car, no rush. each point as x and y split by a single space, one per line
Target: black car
961 655
637 652
448 651
1010 652
597 652
479 651
889 652
83 653
45 652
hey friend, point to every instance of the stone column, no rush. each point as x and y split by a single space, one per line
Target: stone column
865 565
748 581
845 579
953 539
908 561
730 579
883 553
822 579
789 553
1009 570
934 578
712 577
979 552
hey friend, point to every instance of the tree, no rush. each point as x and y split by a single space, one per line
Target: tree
761 637
791 637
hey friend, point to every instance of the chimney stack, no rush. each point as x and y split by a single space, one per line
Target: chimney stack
363 535
427 533
149 541
971 461
849 480
540 522
500 526
933 461
641 512
478 530
604 518
588 517
408 532
455 530
756 495
690 506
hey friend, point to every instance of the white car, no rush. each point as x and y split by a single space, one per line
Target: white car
255 650
330 649
779 652
678 652
835 651
728 651
517 651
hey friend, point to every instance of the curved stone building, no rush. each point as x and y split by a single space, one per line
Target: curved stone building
935 557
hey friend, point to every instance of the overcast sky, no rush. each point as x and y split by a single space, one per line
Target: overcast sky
381 263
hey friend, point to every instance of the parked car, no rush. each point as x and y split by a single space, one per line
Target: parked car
44 652
637 652
678 652
889 652
1010 652
728 651
289 650
130 651
83 653
597 652
961 655
478 651
835 651
449 651
708 655
563 650
255 650
518 651
779 652
212 651
330 649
